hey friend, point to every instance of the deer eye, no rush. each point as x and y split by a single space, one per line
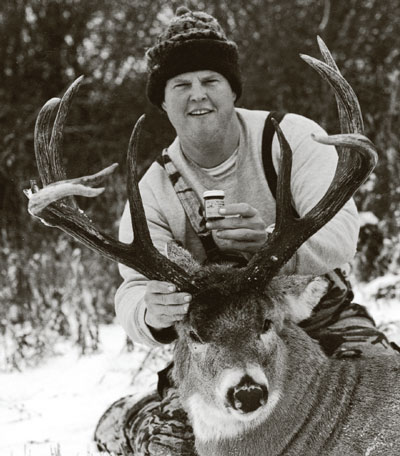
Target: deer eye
267 325
195 337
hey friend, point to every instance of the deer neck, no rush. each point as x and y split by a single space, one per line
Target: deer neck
307 400
310 405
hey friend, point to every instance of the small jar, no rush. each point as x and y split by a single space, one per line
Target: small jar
213 201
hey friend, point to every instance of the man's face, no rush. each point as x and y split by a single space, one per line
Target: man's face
199 103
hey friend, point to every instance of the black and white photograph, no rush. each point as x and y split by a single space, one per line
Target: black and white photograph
199 228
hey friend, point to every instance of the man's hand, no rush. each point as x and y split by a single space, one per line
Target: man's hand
165 305
245 233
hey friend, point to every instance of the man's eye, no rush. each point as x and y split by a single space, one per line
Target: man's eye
210 81
182 84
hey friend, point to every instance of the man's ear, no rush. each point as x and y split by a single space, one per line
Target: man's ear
163 106
298 294
234 97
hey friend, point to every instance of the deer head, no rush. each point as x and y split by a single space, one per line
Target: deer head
234 341
232 352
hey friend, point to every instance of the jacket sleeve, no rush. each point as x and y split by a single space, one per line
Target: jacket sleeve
129 299
313 168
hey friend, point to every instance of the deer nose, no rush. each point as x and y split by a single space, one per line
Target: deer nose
247 396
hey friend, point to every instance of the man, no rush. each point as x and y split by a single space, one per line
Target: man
194 77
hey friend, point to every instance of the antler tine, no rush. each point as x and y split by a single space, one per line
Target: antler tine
159 264
283 192
352 168
138 217
141 255
48 139
288 234
348 106
82 186
42 140
57 134
327 56
146 260
357 159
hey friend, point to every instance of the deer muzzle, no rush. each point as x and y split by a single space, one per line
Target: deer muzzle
247 396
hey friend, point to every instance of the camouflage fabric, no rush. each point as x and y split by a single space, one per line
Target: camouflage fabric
157 425
111 431
163 430
342 327
151 426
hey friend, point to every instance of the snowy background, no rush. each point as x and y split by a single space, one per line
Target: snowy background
62 361
53 409
55 406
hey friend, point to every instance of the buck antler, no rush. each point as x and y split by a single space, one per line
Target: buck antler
357 159
55 205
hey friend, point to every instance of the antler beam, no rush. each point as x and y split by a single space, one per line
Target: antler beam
55 206
357 159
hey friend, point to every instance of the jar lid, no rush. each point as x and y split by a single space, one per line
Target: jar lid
214 194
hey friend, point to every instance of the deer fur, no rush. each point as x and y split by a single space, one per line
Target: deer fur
316 405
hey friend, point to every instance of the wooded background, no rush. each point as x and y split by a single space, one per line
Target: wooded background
49 285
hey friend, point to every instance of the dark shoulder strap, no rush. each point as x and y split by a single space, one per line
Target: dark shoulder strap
194 212
268 164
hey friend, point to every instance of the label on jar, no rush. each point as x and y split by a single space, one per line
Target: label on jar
212 207
213 201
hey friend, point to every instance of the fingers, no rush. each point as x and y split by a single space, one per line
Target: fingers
156 286
233 223
232 242
165 316
242 230
165 294
243 235
242 209
164 304
158 321
251 222
239 215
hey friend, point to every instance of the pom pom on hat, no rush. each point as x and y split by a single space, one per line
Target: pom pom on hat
193 41
182 10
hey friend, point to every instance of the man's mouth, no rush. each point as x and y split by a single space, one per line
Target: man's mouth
200 112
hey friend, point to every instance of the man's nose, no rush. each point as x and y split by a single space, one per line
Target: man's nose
198 92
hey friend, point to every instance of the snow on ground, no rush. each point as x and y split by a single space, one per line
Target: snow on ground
60 402
382 298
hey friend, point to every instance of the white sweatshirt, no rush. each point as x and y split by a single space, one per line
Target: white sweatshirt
312 172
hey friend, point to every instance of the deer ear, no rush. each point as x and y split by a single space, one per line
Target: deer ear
181 257
299 294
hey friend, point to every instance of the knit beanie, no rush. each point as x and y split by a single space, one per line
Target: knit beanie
193 41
